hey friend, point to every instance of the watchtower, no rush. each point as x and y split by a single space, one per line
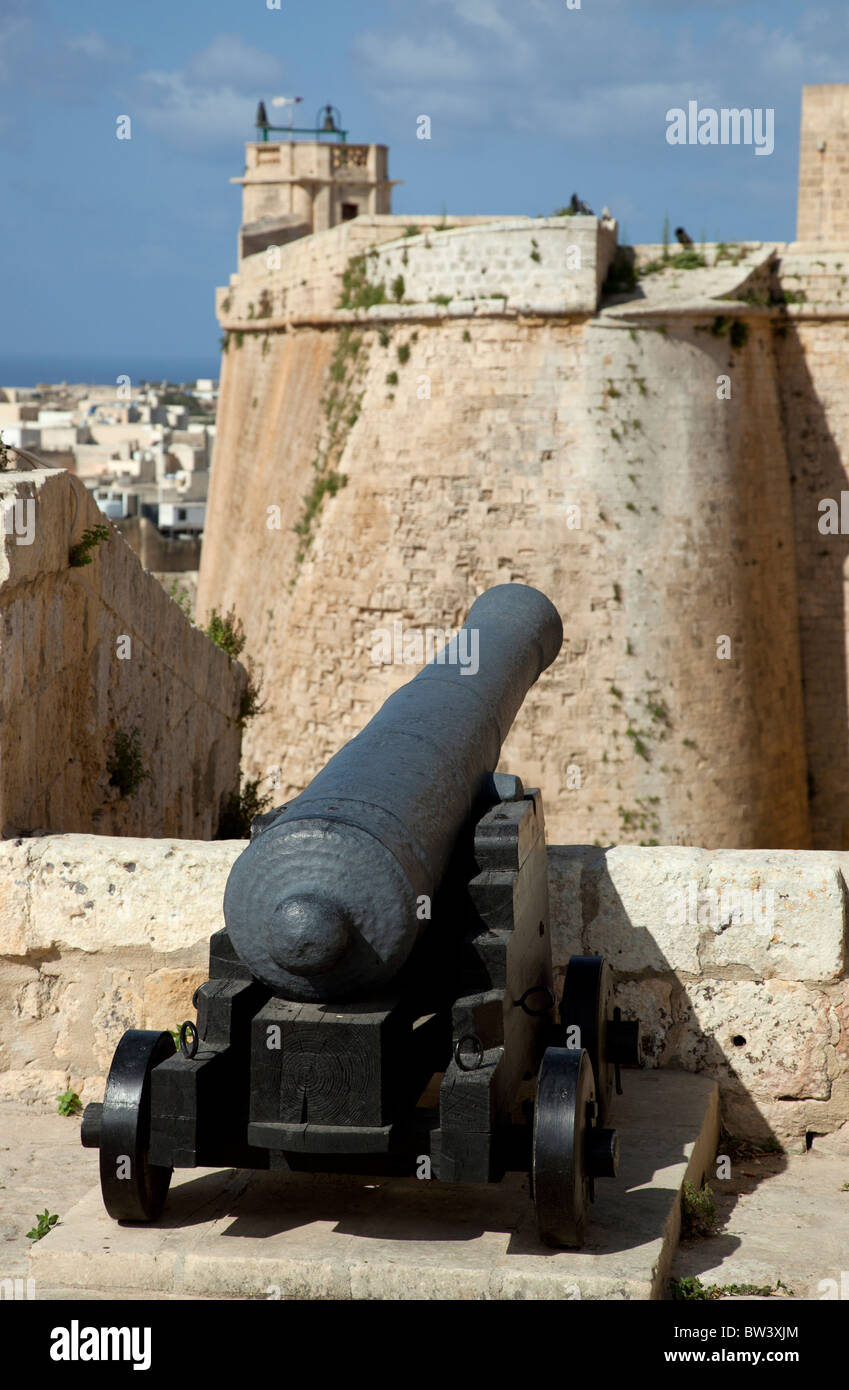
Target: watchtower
292 187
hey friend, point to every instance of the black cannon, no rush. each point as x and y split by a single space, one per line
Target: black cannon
380 999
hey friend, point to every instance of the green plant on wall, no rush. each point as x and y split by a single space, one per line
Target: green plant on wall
250 703
81 552
124 764
226 631
341 407
69 1103
358 291
182 597
239 809
698 1211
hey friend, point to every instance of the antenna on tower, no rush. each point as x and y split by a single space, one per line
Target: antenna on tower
290 102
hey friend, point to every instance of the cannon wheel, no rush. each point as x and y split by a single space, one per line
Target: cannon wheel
564 1111
588 1004
133 1188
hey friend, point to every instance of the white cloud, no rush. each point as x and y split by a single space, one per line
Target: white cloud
229 61
597 73
434 58
210 102
94 45
191 116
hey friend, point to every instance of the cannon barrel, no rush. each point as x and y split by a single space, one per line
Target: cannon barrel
326 902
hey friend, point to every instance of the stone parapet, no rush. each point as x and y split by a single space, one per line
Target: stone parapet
734 961
98 664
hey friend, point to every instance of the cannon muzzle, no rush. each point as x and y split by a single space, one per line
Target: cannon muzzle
327 902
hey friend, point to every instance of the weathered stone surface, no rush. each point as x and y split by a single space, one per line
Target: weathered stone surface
580 452
762 913
321 1236
168 995
79 967
107 893
700 979
772 1039
89 652
836 1144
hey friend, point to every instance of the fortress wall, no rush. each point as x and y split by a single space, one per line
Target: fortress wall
591 459
554 264
445 495
733 961
691 513
813 357
270 422
823 205
158 552
812 351
88 652
309 277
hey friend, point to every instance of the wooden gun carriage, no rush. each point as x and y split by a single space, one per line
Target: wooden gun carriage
381 997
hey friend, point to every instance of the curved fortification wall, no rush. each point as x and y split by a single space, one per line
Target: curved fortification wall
467 444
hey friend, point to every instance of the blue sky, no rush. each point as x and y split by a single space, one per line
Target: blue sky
112 249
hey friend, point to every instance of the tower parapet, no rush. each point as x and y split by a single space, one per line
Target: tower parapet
292 188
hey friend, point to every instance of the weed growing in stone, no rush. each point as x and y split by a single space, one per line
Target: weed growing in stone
358 291
239 810
69 1103
226 631
698 1211
44 1225
124 763
250 704
181 596
693 1288
687 259
92 536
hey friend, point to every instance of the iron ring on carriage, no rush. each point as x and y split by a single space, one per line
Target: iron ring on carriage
537 989
189 1049
458 1058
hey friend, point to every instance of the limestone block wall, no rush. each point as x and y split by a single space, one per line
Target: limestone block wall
735 962
158 552
823 207
694 677
89 653
553 264
589 457
308 279
444 496
812 352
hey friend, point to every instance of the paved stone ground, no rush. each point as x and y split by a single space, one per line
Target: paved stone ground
782 1218
42 1164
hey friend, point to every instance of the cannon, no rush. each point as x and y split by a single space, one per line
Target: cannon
381 996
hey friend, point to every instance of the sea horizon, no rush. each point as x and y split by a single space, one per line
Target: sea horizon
28 370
